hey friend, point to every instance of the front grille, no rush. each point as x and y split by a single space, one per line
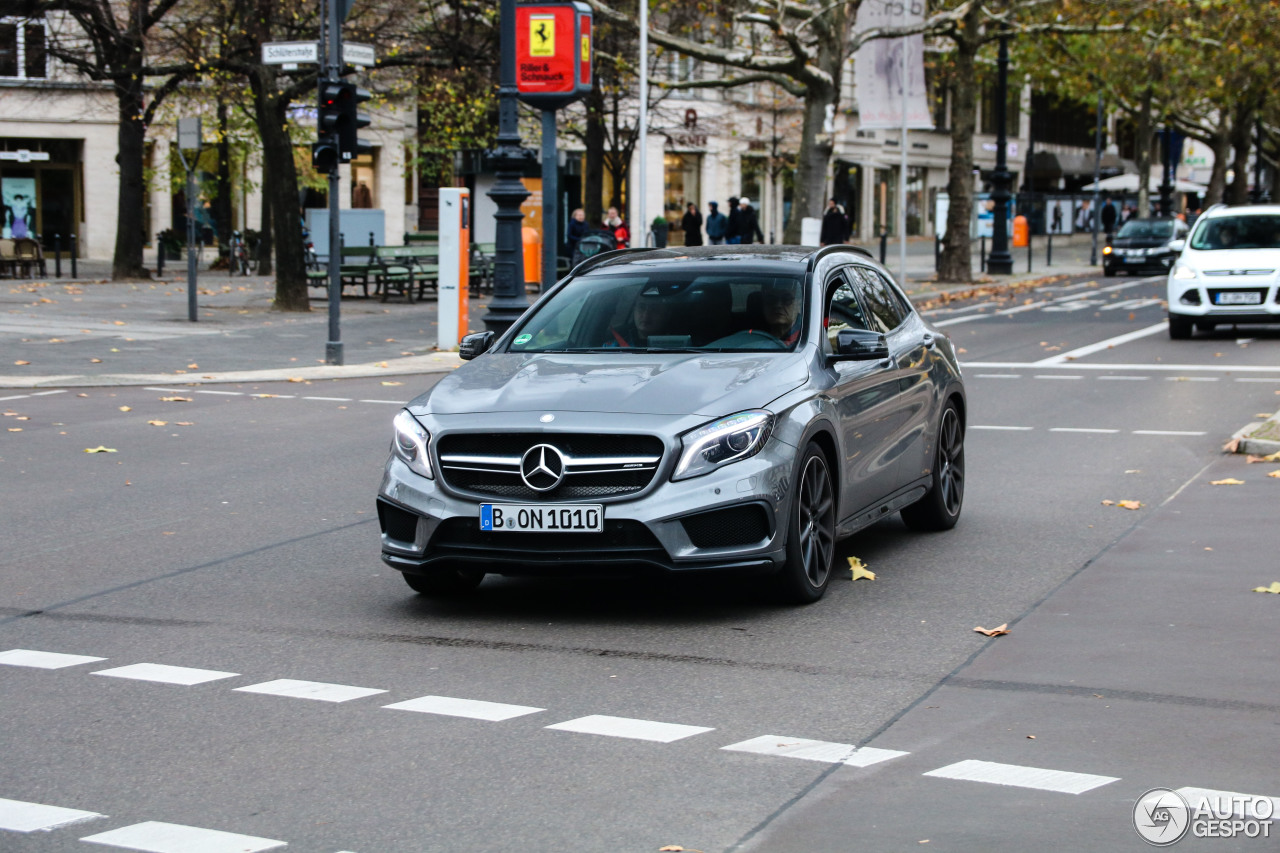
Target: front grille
596 466
726 528
621 538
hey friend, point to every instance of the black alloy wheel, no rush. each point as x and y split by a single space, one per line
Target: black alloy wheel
810 531
940 508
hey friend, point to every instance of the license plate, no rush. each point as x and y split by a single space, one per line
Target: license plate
578 518
1239 298
1134 260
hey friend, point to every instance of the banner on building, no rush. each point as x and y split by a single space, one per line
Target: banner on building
878 67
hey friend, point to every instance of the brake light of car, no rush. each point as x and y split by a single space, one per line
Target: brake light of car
729 439
409 444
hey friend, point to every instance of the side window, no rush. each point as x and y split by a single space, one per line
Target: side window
887 313
843 310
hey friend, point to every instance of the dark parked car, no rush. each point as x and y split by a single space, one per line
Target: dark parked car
1143 245
712 408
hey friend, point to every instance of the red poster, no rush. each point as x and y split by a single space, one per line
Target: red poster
546 50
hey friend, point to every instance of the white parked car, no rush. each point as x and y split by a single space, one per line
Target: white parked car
1226 273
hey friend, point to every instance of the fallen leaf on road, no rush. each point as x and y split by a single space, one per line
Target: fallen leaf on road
184 423
193 367
993 632
21 362
1230 481
1274 588
296 379
95 361
1274 474
1129 504
1263 415
99 449
158 423
1234 444
1133 471
15 429
175 399
126 408
1031 737
392 383
859 570
60 341
1272 457
382 364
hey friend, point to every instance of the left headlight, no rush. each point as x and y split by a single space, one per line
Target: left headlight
729 439
1184 272
409 444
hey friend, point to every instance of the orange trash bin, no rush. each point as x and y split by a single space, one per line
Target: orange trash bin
1021 232
532 256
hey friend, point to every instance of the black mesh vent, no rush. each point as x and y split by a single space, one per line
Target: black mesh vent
398 524
575 486
516 443
725 528
620 538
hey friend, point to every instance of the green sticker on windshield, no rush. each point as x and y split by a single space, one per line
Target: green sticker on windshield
523 339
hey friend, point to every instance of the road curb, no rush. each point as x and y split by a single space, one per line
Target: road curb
1261 438
440 362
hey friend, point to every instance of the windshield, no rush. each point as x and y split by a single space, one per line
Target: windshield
668 311
1141 230
1237 232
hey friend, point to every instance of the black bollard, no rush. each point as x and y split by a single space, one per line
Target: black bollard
937 253
74 273
884 244
982 253
1029 242
159 256
57 256
1048 252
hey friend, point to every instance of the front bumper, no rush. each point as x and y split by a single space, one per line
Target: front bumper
1145 263
1196 298
731 519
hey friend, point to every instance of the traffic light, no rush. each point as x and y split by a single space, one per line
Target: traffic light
326 152
349 142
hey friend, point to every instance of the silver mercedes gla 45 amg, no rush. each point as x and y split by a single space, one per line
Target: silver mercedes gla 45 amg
726 408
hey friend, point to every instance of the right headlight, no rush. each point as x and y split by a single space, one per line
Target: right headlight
729 439
1184 272
409 444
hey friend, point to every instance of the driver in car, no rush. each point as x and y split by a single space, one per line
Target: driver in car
650 315
781 312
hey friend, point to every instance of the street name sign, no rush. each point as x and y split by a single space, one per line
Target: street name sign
290 52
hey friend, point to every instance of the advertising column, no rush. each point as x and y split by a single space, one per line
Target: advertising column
455 267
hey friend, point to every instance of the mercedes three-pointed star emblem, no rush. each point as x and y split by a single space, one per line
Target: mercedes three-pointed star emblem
542 467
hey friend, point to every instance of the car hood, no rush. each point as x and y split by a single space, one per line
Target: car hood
710 384
1138 242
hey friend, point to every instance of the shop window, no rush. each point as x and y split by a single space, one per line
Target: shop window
681 179
364 182
22 49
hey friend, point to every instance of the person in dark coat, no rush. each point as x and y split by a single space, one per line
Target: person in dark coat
717 222
578 229
748 223
732 232
835 228
691 224
1109 216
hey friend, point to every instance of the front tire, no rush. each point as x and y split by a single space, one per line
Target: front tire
1179 327
442 583
811 529
940 508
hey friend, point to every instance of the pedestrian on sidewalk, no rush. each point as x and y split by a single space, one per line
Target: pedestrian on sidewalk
748 223
732 231
835 227
717 222
691 224
1109 218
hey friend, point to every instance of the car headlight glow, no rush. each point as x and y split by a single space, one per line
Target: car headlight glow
1182 271
1106 250
729 439
409 444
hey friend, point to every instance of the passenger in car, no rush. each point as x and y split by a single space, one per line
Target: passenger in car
781 312
650 315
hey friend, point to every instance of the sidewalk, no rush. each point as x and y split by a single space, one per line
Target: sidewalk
91 331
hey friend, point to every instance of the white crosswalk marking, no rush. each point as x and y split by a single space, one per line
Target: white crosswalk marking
471 708
156 837
18 816
814 750
1016 776
600 724
1225 804
166 674
43 660
318 690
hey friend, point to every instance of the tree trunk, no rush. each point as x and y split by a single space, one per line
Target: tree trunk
265 241
130 141
1221 145
811 162
956 263
1142 156
1241 123
593 180
280 191
222 203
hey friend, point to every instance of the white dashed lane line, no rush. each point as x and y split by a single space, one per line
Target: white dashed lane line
317 690
156 837
494 712
600 724
1082 429
19 816
183 675
814 750
43 660
1100 430
1022 777
994 427
1221 803
33 394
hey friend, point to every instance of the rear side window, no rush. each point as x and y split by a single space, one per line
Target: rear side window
886 309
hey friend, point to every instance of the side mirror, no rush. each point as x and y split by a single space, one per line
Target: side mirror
473 345
1177 245
861 345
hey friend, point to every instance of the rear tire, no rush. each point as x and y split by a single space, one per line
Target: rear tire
940 508
1179 327
444 582
811 529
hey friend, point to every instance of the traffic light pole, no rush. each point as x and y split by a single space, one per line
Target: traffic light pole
333 348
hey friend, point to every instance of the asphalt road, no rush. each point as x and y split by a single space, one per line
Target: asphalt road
239 538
